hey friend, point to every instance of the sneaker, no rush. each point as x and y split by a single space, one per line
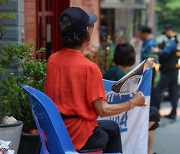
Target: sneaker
170 116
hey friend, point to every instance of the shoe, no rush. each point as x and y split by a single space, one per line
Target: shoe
170 116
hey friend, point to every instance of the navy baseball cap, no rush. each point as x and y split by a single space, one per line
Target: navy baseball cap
167 27
79 18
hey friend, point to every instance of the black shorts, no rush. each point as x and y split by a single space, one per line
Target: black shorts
154 116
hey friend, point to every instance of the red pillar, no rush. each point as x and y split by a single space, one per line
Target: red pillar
58 7
30 21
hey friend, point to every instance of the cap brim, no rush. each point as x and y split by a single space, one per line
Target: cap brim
92 18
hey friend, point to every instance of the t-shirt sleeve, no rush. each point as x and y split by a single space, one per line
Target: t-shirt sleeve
94 85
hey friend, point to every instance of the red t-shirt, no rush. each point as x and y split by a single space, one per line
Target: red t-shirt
73 82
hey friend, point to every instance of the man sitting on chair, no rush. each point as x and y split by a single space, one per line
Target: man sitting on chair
75 84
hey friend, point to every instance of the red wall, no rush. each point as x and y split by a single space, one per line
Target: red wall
90 6
30 21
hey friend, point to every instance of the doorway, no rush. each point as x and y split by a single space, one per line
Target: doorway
48 32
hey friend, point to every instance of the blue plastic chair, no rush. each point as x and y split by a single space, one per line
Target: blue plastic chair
47 117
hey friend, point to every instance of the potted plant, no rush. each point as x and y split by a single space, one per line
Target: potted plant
10 132
13 99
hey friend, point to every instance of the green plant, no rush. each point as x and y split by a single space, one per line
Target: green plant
168 12
30 71
103 58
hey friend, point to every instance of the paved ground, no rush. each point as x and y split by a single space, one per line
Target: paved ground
167 138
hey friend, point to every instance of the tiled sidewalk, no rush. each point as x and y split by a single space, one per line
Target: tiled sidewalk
167 137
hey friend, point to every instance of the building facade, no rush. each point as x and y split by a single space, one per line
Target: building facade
37 21
123 17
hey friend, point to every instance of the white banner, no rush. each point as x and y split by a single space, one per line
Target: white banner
134 123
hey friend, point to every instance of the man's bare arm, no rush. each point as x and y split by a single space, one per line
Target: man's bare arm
104 109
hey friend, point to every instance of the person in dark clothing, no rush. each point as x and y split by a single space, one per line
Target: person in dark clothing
169 71
148 43
146 52
124 57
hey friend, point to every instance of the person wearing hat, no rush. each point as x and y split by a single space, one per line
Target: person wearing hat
169 72
75 84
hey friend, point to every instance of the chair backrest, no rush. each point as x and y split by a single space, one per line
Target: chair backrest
48 119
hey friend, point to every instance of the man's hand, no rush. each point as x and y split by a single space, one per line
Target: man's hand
138 99
155 50
150 63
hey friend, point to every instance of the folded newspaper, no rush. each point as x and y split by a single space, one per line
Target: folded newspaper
4 147
130 82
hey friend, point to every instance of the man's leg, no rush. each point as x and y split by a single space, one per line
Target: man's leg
154 118
112 129
151 138
98 140
173 93
162 84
